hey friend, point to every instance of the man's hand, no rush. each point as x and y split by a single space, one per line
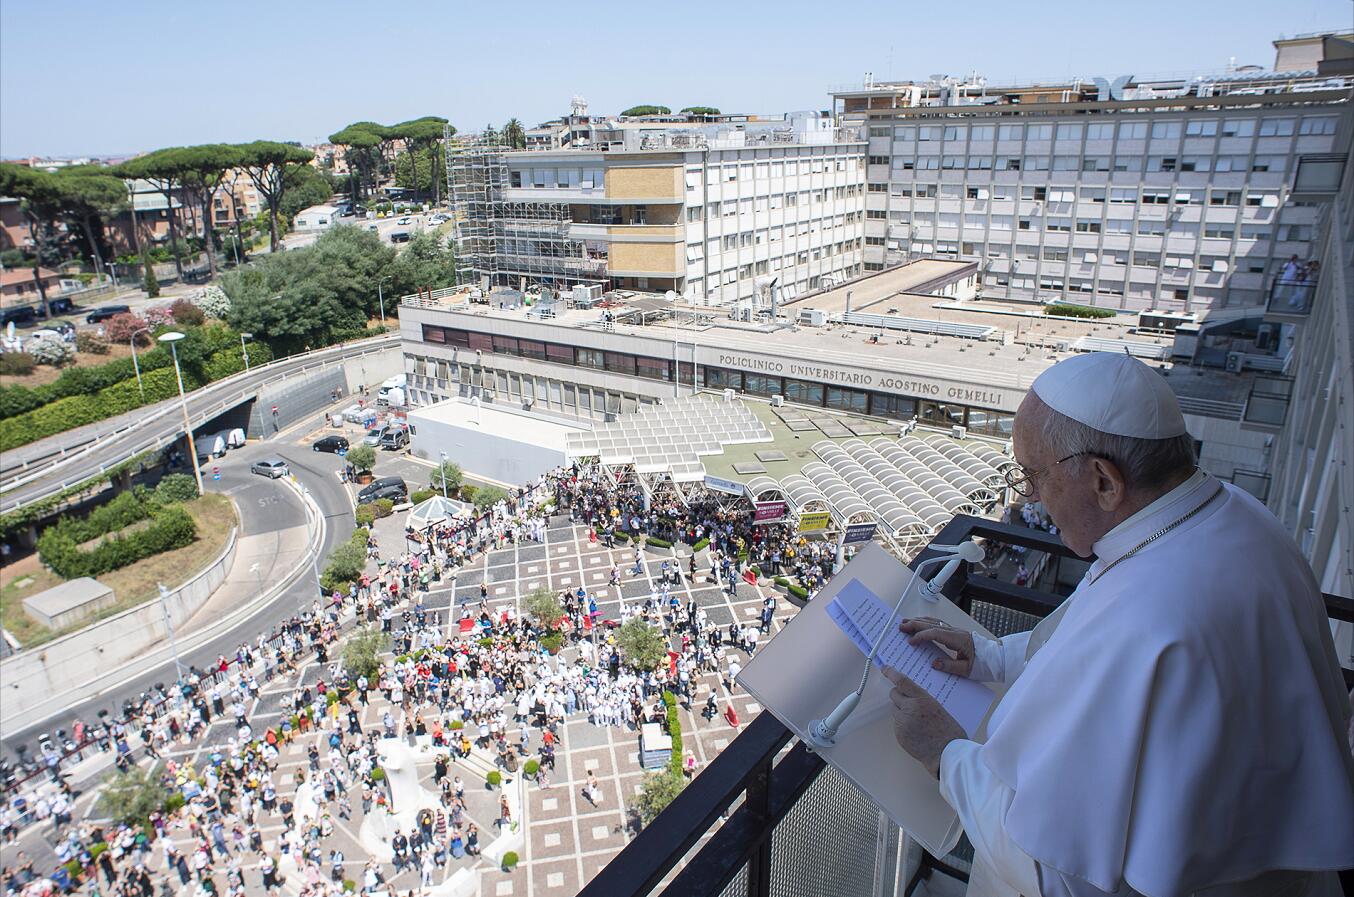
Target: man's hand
959 641
920 724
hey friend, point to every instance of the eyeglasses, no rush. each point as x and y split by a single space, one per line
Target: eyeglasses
1021 480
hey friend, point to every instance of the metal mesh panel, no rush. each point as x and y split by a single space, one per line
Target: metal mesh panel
739 886
1001 621
807 846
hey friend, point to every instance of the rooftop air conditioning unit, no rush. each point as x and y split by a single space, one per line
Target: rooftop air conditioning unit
813 317
958 432
728 395
777 401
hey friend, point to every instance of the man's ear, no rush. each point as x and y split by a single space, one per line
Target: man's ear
1111 489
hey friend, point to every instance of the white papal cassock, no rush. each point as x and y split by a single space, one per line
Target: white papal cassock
1177 726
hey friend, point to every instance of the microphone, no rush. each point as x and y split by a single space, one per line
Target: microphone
822 733
968 550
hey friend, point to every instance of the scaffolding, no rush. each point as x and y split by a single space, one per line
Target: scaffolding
513 243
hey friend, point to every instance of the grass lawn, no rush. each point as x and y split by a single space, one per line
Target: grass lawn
131 585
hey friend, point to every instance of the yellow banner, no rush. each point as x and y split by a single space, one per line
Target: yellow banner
814 521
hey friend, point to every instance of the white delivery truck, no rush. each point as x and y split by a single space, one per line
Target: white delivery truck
391 391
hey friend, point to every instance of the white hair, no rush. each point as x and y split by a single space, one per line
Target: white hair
1145 463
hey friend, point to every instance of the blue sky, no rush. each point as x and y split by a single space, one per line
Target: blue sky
89 77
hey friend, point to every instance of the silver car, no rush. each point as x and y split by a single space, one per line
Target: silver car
270 467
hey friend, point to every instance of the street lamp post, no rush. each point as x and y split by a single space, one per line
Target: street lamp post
442 472
380 298
169 628
243 350
173 337
136 365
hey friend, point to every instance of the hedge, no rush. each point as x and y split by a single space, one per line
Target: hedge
31 513
798 591
79 410
531 767
701 544
90 379
493 778
170 528
674 730
419 496
657 543
1071 310
365 515
552 642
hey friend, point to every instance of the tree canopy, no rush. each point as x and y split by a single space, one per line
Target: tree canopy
646 110
268 162
701 110
311 297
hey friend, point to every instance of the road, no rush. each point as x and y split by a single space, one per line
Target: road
384 227
42 468
265 506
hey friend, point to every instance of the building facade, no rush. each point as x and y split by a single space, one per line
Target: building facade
1132 195
1307 407
703 211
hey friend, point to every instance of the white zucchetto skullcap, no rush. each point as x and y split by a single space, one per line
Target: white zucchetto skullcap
1112 393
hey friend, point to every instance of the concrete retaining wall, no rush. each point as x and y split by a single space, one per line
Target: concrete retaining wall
35 676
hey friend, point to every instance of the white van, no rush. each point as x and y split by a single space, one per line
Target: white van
235 438
208 447
391 391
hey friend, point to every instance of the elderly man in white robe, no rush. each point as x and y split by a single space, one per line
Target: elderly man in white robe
1177 726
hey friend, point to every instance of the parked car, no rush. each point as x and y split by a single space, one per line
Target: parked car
330 444
393 488
405 220
19 314
395 438
103 313
400 236
352 414
375 435
271 468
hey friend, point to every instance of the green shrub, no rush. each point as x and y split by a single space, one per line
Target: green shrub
457 724
493 778
347 562
378 774
384 507
488 496
798 591
509 859
173 803
349 886
658 790
701 544
331 698
365 514
59 546
781 581
99 392
362 457
16 364
756 571
449 476
361 652
85 341
176 487
1071 310
485 642
657 543
187 314
543 606
622 536
674 726
419 496
531 767
642 645
552 642
468 493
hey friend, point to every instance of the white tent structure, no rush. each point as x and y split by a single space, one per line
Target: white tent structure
433 511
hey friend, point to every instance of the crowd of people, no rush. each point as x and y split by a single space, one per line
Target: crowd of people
264 799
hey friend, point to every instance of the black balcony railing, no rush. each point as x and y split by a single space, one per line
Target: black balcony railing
790 805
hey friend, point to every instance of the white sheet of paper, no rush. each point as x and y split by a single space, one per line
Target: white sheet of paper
861 614
811 664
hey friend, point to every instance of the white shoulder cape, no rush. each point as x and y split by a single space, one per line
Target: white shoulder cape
1185 724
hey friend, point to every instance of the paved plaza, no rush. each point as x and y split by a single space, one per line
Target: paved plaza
566 838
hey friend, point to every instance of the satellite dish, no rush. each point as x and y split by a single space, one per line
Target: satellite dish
670 296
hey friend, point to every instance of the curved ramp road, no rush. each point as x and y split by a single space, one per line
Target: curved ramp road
33 472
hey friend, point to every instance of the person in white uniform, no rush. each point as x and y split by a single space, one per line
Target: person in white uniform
1177 726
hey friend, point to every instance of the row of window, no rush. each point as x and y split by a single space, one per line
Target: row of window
1150 227
1125 162
1217 196
1135 130
748 171
801 392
